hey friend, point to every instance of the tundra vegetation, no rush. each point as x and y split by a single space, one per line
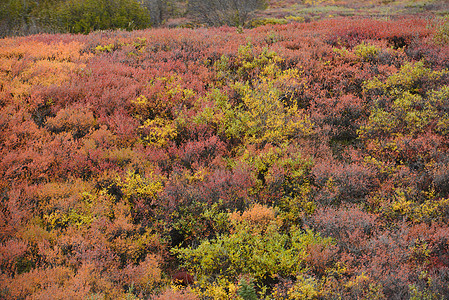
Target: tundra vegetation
305 160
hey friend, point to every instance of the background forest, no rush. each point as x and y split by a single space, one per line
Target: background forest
303 158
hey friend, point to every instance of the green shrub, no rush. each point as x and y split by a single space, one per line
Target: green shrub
256 246
246 289
83 16
441 35
267 112
409 110
366 52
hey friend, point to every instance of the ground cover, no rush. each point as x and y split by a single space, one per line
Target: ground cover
306 160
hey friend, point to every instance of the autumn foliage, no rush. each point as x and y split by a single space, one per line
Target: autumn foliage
295 161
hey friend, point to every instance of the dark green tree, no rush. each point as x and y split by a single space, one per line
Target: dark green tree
84 16
22 17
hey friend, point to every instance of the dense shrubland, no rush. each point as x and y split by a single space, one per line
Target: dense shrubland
297 161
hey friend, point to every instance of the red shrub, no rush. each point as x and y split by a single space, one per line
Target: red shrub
183 278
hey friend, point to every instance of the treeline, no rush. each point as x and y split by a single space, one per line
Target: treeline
24 17
21 17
